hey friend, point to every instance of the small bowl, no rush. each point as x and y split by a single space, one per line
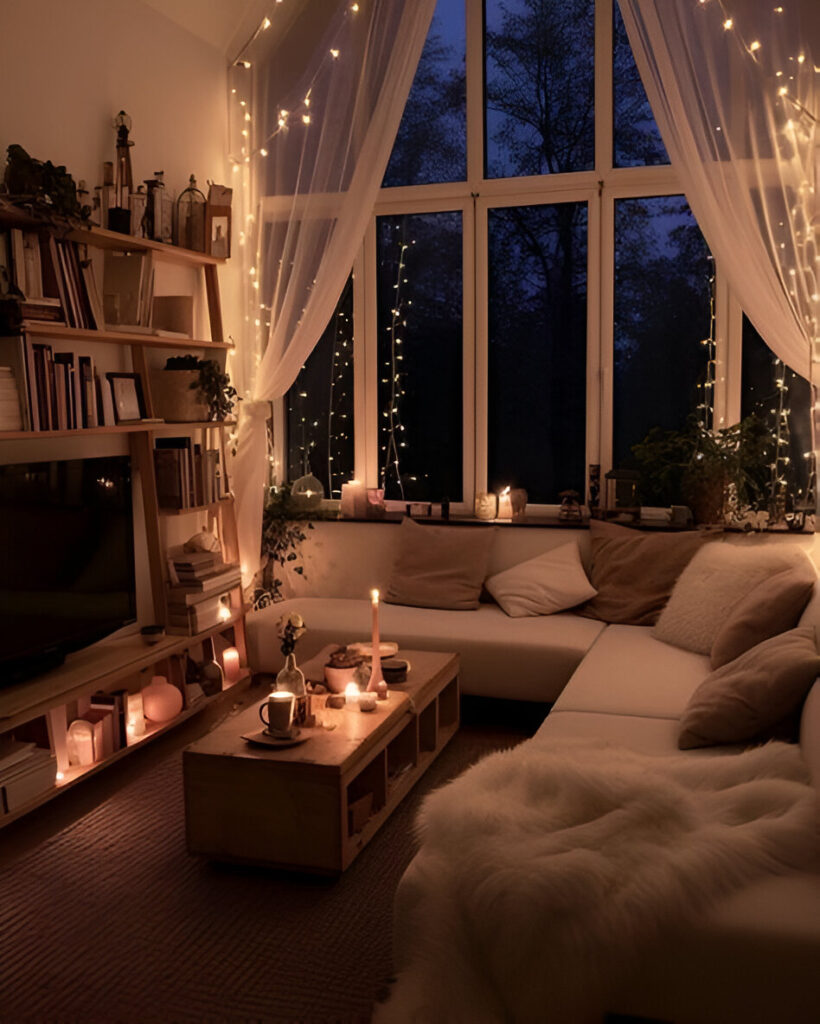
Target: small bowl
151 634
395 670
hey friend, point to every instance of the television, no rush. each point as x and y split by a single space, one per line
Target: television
67 575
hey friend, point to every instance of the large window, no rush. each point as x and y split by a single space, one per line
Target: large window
534 294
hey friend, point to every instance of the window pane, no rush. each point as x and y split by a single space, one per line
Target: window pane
420 356
540 86
431 144
537 349
636 139
663 276
319 405
782 399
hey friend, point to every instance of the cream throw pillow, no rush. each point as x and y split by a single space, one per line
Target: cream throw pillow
440 566
542 585
710 588
752 695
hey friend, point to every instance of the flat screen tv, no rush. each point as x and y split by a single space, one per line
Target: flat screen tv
67 573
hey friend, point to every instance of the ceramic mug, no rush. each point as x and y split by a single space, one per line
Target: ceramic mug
279 707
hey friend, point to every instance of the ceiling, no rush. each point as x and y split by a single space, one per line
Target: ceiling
220 23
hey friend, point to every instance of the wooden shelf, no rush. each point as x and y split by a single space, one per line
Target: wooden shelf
42 328
124 428
102 238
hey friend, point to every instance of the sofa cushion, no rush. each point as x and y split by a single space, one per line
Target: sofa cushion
551 582
710 587
439 567
629 672
634 572
529 658
772 607
752 696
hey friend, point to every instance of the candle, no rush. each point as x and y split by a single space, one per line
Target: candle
136 716
367 702
354 499
505 504
381 689
351 695
230 664
376 676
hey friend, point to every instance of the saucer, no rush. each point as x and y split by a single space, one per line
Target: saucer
263 738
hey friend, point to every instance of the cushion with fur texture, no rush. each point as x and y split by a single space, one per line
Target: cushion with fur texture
548 583
711 587
748 699
634 572
439 566
772 607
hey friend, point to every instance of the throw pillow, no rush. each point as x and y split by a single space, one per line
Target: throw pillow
634 572
772 607
751 696
439 566
710 587
542 585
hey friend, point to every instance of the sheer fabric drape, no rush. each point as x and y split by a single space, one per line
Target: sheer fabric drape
734 90
321 110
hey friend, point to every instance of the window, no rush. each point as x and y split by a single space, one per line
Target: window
555 299
537 349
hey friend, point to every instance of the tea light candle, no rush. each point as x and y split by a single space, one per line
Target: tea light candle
351 694
367 702
505 504
230 664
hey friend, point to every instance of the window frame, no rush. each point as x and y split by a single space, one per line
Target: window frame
599 188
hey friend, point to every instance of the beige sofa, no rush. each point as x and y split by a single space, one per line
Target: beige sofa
755 956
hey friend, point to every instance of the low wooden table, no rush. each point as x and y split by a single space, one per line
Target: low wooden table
314 806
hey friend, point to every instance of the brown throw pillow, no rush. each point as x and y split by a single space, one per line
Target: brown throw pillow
440 566
634 572
751 696
772 607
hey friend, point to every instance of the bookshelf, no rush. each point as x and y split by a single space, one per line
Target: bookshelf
39 710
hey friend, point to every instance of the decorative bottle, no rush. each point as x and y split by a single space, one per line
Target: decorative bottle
292 679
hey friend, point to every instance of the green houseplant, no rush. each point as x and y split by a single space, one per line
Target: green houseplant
700 467
191 389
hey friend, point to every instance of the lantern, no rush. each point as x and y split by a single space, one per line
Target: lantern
190 220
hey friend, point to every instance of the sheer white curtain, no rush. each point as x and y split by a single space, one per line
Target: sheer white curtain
734 85
320 108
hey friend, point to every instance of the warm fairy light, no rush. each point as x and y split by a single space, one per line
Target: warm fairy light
334 54
263 152
728 23
265 24
754 46
354 8
306 118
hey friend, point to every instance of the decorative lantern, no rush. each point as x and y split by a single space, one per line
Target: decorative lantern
190 220
622 493
570 510
307 492
486 505
119 216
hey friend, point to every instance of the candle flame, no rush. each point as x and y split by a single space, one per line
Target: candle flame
374 596
505 491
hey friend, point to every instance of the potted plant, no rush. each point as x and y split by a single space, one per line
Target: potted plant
699 467
190 389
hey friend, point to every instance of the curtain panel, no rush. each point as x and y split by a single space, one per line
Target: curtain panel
734 89
317 113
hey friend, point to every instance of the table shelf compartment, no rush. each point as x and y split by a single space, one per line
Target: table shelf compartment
428 727
448 706
367 791
402 752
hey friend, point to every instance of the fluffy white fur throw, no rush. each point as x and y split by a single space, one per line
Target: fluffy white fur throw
545 870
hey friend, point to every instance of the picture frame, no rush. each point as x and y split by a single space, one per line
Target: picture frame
127 397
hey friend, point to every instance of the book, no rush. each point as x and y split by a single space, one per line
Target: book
11 406
27 779
102 720
112 705
184 446
88 392
64 366
168 473
190 619
126 287
190 593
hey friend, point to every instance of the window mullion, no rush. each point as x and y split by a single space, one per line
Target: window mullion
474 69
366 380
603 86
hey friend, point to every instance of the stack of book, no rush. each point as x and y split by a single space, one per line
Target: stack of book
26 771
187 475
199 592
10 414
55 390
128 290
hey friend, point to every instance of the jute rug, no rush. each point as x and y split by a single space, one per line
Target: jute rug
111 920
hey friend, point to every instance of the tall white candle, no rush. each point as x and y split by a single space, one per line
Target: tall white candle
230 664
505 504
376 661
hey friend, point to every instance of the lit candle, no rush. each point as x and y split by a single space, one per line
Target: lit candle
367 702
354 500
351 694
230 664
505 504
136 715
376 676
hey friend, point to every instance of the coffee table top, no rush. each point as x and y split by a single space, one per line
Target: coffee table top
355 732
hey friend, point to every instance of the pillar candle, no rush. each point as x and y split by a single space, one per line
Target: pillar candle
351 695
354 499
505 504
230 664
376 676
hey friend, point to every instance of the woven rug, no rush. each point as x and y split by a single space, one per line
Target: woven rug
111 920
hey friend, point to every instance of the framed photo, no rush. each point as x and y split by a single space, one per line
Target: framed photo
127 398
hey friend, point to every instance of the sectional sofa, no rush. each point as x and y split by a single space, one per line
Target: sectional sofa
754 954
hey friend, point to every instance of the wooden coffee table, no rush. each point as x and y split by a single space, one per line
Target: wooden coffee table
314 806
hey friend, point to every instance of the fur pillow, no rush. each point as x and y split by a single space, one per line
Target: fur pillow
711 587
634 572
548 583
754 694
772 607
440 566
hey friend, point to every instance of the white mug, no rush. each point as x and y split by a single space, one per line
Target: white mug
279 706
